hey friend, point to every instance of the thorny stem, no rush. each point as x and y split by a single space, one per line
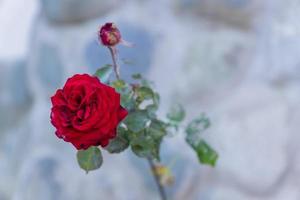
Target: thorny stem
161 189
150 161
115 63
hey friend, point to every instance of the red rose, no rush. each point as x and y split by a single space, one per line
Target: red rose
109 35
86 112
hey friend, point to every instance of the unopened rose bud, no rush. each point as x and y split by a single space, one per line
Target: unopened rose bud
109 35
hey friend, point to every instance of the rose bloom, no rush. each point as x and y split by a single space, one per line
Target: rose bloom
86 112
109 35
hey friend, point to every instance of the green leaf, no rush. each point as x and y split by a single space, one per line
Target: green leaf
157 129
176 113
120 143
198 125
156 99
205 153
127 101
118 84
136 76
103 73
136 121
145 146
146 83
151 109
144 93
90 159
146 151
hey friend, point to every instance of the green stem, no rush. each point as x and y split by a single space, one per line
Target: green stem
151 163
115 63
160 187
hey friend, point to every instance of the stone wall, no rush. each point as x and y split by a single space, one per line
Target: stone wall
236 60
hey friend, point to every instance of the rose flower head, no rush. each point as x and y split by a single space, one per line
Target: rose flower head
86 112
109 35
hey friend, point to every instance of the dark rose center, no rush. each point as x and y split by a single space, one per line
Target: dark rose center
75 100
66 116
83 113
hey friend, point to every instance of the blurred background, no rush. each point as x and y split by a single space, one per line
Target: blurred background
236 60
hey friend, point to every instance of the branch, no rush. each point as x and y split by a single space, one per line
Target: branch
161 189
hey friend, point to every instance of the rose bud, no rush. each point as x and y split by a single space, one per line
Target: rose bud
86 112
109 35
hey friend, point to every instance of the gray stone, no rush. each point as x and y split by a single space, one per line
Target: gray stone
73 11
236 13
255 124
219 60
15 98
49 65
278 43
246 116
54 57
